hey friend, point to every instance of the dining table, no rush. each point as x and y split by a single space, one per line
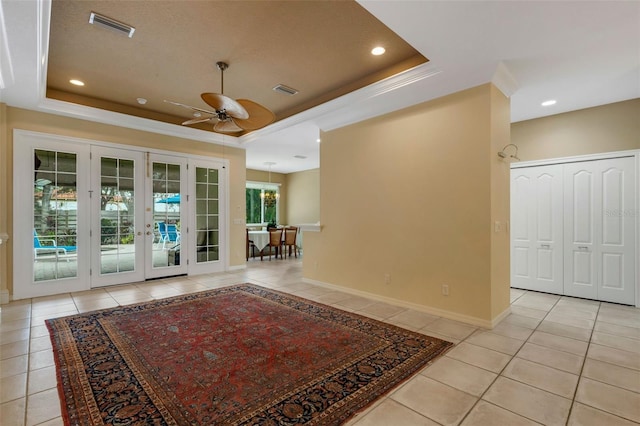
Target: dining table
260 239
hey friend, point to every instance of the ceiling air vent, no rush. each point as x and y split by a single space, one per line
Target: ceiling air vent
112 24
290 91
301 157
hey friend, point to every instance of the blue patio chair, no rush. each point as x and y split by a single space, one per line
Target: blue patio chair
168 234
49 245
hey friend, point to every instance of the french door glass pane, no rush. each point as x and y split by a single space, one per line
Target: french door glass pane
117 216
207 215
166 214
54 215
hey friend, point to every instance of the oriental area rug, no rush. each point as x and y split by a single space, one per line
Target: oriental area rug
240 355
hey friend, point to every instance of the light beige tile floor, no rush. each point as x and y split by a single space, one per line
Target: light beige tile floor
555 360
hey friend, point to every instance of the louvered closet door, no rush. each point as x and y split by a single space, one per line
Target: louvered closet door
600 230
536 228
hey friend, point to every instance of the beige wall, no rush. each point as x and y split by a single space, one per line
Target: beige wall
500 203
262 176
303 194
410 194
613 127
17 118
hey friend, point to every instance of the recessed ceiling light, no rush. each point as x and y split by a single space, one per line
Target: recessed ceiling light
549 102
141 101
197 115
377 51
76 82
318 140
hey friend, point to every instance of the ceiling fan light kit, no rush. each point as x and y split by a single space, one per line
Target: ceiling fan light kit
229 115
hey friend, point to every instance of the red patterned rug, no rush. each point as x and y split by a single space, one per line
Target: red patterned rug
241 355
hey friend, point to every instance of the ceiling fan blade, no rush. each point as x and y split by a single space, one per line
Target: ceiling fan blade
222 102
259 116
197 120
227 126
190 107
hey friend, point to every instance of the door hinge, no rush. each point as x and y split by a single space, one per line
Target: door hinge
90 233
90 271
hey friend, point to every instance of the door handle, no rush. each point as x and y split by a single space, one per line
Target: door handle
546 246
139 233
583 248
148 232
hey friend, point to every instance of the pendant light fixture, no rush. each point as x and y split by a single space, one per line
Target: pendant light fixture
270 197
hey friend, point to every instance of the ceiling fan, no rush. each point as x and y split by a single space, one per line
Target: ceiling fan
230 116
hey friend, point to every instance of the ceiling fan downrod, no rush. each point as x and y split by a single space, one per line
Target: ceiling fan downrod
222 66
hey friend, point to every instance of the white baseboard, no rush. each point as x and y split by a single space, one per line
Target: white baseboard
501 316
237 267
478 322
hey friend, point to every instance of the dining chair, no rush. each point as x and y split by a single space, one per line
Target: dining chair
290 235
275 241
250 246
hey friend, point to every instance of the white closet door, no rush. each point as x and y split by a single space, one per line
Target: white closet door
600 230
536 228
616 226
580 201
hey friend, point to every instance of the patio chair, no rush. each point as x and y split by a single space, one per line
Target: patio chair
168 234
49 245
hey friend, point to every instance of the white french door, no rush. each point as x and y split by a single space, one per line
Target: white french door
117 216
536 227
166 235
600 230
92 214
208 248
51 248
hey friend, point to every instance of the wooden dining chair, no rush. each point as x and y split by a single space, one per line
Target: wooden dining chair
250 246
290 236
275 241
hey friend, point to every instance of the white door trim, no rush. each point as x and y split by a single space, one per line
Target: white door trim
577 158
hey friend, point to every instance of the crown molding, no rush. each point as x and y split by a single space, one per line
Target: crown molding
338 112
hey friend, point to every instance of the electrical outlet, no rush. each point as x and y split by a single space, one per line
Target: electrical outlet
445 289
387 279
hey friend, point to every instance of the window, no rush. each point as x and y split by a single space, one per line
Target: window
262 203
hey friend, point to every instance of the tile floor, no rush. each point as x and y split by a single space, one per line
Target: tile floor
554 361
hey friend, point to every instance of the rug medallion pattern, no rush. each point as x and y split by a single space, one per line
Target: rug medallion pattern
241 355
